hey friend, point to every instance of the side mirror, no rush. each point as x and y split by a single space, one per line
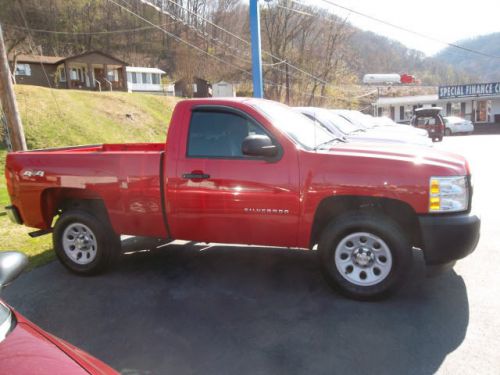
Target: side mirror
259 145
12 264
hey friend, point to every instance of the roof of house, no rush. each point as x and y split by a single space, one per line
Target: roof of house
37 59
96 52
58 59
141 69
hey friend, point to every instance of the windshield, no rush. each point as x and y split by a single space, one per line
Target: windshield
332 120
6 321
300 128
358 121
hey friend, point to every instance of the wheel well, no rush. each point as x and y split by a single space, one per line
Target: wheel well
57 200
331 208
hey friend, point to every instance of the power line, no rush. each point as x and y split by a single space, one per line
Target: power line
178 38
42 31
273 66
241 40
295 10
214 56
407 30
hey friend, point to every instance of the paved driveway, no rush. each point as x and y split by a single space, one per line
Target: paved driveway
188 309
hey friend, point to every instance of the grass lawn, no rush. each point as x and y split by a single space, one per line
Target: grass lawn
53 118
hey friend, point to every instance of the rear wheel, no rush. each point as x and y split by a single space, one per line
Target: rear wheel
364 256
84 243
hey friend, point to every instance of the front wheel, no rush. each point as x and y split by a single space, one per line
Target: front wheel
364 256
84 243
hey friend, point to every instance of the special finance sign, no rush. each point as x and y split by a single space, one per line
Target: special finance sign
474 89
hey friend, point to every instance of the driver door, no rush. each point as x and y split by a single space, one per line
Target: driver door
222 195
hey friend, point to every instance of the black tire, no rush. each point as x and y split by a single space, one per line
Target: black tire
107 243
378 225
447 132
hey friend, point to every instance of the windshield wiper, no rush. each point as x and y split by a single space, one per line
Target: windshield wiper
336 139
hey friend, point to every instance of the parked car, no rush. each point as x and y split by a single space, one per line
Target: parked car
430 120
457 125
252 171
27 349
342 128
388 123
370 122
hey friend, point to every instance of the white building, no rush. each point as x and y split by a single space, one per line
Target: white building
144 79
223 90
479 103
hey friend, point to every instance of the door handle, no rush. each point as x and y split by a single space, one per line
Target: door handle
195 176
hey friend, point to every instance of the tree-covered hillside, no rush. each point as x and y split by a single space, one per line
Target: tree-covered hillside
323 54
486 68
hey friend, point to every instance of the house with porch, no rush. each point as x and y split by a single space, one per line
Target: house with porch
93 70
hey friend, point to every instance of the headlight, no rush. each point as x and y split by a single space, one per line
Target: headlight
448 194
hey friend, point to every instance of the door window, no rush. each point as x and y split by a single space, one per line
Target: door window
219 134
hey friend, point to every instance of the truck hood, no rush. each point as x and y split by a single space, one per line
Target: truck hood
448 163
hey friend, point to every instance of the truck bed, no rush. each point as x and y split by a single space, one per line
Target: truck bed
125 177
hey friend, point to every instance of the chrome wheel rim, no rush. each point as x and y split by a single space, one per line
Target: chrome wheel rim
363 259
79 243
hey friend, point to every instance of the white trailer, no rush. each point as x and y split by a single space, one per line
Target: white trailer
382 79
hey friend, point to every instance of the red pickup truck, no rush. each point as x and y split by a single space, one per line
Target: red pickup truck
252 171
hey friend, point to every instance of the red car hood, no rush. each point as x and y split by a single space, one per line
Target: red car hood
30 350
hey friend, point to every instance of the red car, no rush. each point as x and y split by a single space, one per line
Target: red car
27 349
431 120
252 171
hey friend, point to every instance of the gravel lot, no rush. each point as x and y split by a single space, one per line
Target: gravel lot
188 309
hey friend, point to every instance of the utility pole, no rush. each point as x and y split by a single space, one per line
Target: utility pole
287 83
258 91
9 105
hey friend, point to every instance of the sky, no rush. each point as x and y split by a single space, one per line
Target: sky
446 20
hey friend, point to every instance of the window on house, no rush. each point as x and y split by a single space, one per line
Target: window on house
144 78
134 77
74 75
401 112
23 70
113 75
219 134
195 88
156 79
